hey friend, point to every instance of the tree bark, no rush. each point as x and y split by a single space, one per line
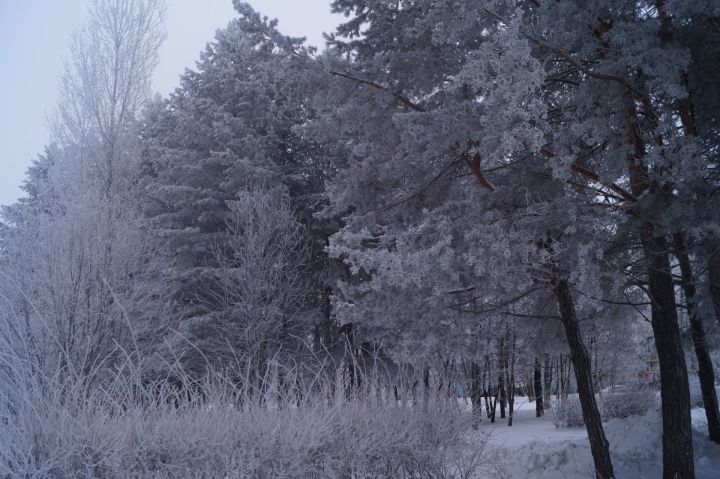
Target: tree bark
530 388
714 276
559 376
486 395
547 380
501 377
705 366
493 404
352 383
565 384
583 375
510 368
501 393
426 385
537 386
674 387
327 341
511 395
475 394
325 335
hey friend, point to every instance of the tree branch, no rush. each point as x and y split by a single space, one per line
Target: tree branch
405 101
575 62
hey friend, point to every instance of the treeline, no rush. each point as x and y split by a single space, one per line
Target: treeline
459 193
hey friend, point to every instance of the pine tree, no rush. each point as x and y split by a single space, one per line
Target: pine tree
229 128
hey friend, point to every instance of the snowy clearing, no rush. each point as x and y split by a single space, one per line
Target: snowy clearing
535 448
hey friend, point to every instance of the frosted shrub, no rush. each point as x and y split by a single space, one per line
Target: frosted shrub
620 403
632 402
59 427
566 412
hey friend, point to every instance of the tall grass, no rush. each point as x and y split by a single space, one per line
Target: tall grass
112 424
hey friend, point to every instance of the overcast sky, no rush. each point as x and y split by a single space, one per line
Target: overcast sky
33 41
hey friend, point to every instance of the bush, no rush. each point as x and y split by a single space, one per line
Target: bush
60 428
613 404
621 404
566 411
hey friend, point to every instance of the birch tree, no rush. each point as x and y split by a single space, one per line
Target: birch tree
77 261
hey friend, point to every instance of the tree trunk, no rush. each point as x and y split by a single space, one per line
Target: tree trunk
501 393
486 395
558 376
565 366
426 386
325 335
705 366
351 385
511 394
510 381
547 380
530 388
583 375
475 394
714 276
493 404
674 387
501 375
537 386
326 342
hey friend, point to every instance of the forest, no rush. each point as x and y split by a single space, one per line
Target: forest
465 239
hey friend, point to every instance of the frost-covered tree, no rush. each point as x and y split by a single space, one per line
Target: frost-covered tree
452 208
260 286
625 94
479 190
227 129
75 250
507 150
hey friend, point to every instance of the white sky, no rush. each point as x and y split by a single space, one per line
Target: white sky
33 41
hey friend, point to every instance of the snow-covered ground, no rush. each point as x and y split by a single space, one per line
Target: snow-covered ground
535 448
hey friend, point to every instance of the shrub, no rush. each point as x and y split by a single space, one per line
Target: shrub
60 427
619 403
566 411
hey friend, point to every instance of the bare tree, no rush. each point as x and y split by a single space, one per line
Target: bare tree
106 80
77 262
262 282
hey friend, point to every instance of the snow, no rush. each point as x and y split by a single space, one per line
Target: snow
535 448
